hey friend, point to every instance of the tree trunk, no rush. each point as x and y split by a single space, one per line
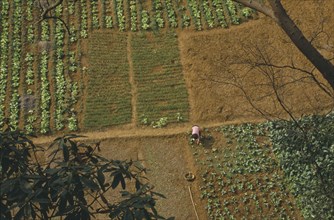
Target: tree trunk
325 67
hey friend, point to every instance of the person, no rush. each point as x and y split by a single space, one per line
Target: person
196 133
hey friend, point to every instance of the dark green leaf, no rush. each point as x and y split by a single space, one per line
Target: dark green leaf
128 215
116 180
101 178
62 205
122 182
89 183
138 184
65 151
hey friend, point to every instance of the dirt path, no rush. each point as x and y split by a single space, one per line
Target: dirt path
130 132
132 82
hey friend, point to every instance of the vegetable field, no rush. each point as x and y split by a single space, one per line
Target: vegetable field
241 178
107 63
162 92
274 170
108 99
38 78
44 63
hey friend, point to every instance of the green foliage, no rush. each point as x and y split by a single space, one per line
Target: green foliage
120 14
159 78
158 13
108 99
218 5
95 14
306 154
109 22
133 12
72 183
45 93
84 20
241 179
171 14
196 13
162 122
145 20
208 14
4 50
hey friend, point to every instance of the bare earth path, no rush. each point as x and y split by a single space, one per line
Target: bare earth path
130 132
132 82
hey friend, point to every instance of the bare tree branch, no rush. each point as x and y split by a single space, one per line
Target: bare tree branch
48 9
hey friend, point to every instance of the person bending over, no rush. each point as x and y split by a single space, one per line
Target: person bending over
196 134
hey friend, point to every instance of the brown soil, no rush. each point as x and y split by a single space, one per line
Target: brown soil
132 82
208 60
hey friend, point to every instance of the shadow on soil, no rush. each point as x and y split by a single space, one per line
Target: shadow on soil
207 141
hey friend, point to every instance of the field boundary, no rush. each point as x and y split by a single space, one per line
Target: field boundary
132 82
128 132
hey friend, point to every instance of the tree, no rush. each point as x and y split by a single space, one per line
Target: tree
275 10
72 183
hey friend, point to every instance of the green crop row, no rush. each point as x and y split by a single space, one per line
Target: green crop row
84 19
108 100
30 83
232 12
15 66
45 93
95 14
159 78
131 14
4 46
218 5
171 14
119 8
208 14
27 56
158 13
60 81
196 13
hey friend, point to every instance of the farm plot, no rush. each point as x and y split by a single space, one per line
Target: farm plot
160 14
305 151
108 100
35 92
240 178
159 78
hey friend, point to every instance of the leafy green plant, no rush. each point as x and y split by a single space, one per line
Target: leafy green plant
196 13
84 20
232 11
305 149
145 20
45 93
133 12
95 14
71 184
120 14
179 117
171 14
162 122
208 14
16 65
4 49
109 21
158 13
